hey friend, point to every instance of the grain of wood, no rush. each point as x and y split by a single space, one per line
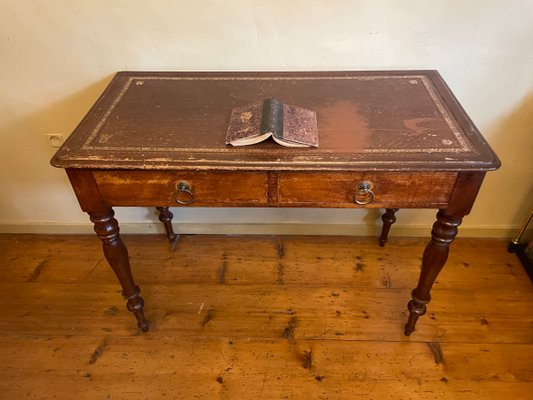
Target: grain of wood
330 328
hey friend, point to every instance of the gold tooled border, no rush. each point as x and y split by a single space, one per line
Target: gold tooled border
463 145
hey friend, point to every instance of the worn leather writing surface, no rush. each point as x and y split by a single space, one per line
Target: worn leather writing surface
400 120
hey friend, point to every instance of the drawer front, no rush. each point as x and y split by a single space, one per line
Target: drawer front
375 190
187 188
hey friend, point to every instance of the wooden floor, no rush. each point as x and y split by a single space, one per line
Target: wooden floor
262 317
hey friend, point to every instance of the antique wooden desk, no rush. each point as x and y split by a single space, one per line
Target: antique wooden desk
387 140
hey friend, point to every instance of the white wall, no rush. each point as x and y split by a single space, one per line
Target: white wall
58 55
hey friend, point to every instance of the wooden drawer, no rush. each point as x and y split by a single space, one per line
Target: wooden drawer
288 189
152 188
389 189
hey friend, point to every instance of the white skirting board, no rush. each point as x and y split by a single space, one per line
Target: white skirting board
263 229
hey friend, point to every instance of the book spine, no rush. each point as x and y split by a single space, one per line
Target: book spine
272 117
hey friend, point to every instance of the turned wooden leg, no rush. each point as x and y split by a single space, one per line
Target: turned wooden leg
165 216
435 256
388 219
116 254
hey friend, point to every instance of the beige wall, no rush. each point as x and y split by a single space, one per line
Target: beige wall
56 56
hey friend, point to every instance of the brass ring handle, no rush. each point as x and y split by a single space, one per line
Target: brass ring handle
184 187
363 194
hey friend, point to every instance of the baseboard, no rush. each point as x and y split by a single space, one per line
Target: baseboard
263 229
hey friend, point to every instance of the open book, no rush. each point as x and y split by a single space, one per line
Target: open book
290 126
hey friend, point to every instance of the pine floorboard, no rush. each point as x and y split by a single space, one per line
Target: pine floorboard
262 317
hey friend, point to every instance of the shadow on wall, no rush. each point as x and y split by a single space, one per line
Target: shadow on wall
511 187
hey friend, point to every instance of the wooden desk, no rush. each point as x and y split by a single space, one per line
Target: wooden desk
387 140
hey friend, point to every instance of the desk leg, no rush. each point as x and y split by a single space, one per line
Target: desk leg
165 216
116 253
435 256
388 219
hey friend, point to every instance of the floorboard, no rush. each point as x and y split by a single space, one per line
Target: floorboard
262 317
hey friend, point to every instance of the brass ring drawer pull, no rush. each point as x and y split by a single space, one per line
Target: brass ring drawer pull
363 194
184 194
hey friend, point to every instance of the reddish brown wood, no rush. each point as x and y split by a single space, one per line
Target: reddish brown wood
273 188
158 139
293 189
435 256
209 188
107 230
116 254
337 189
443 233
367 121
165 216
86 190
388 219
